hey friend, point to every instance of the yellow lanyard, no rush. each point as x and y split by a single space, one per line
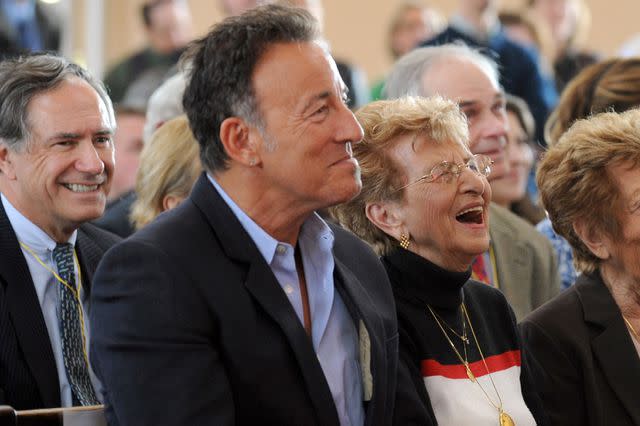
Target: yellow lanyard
74 291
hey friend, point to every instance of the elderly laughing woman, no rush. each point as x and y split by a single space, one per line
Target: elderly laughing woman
424 208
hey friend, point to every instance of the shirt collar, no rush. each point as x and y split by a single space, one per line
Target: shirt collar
314 229
28 232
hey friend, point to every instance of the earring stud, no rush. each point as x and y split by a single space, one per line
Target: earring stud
404 241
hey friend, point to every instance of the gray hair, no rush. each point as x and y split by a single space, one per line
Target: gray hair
23 78
165 104
406 76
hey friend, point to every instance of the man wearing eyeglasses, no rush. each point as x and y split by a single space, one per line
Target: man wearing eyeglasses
520 261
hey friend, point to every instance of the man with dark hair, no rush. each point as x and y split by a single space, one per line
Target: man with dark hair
56 163
168 27
242 306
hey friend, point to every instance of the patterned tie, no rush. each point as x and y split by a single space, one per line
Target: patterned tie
479 271
73 354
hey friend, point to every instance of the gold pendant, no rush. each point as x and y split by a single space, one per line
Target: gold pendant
470 373
506 420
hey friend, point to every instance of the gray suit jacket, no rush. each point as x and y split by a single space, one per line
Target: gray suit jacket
526 263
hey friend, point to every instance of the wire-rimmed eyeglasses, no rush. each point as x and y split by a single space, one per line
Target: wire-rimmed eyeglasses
446 171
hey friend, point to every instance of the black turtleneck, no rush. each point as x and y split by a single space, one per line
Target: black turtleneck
418 283
423 282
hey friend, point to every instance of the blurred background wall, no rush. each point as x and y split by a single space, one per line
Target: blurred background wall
356 29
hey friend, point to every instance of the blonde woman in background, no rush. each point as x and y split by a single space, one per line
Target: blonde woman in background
169 166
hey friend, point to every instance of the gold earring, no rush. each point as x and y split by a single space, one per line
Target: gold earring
252 162
404 241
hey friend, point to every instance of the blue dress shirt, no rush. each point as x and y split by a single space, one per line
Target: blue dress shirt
568 273
334 334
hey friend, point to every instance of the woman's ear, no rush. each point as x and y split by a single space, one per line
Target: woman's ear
388 217
595 240
170 201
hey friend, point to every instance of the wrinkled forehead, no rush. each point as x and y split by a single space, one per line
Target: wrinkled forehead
425 141
420 145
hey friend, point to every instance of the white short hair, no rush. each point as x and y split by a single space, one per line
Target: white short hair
164 104
406 76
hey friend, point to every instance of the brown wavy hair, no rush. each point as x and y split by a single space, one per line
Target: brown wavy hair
575 182
611 85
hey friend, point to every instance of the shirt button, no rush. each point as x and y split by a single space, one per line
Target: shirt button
288 289
281 249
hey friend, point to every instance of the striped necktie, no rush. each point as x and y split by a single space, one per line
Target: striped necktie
73 352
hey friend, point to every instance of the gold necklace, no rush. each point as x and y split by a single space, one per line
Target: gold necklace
464 340
504 419
633 330
74 291
462 336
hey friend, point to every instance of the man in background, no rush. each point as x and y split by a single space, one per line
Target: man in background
26 25
130 116
476 24
168 27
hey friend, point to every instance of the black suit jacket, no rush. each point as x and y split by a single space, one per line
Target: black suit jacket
190 326
589 371
28 375
116 216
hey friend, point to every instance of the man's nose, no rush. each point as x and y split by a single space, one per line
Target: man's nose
89 160
348 127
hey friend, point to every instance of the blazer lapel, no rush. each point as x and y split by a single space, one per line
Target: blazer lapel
512 260
369 326
89 256
26 315
613 347
263 286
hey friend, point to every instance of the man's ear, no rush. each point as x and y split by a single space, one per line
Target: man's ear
6 162
235 137
595 240
387 216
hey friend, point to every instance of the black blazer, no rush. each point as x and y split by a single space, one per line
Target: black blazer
589 370
190 326
28 375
